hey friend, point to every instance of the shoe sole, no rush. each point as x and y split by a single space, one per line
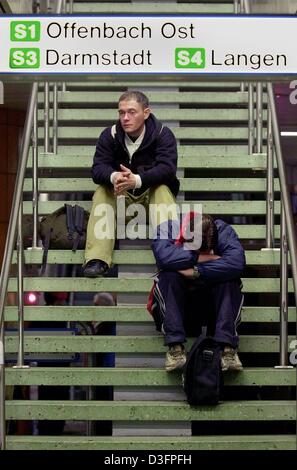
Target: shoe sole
232 369
92 276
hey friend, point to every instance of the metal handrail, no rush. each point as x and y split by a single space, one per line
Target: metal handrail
251 124
15 221
283 291
270 183
286 200
288 234
9 246
46 118
259 117
35 190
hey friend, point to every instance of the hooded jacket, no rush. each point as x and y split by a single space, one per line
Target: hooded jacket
171 256
155 160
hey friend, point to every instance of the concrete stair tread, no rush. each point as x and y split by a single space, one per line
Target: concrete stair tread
151 410
148 377
51 343
190 157
186 133
209 184
181 97
127 284
142 257
126 313
221 207
164 114
173 443
213 151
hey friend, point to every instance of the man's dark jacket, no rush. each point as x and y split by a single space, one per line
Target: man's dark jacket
155 160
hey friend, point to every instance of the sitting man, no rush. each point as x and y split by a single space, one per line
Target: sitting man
198 287
136 158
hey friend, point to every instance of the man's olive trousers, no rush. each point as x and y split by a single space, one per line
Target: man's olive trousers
154 206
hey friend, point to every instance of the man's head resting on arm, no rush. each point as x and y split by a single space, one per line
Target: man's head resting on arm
198 233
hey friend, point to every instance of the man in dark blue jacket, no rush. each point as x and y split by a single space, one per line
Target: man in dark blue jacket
136 158
198 287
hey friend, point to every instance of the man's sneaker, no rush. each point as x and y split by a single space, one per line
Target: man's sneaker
230 360
175 358
95 268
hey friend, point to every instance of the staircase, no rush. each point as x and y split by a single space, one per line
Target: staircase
209 120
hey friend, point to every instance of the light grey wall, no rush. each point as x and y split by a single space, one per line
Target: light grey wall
274 6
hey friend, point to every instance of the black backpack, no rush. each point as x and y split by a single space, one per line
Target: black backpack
202 375
64 229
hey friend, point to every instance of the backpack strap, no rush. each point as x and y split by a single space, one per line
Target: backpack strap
197 343
45 251
70 221
79 214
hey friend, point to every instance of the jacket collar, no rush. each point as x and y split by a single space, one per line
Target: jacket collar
152 130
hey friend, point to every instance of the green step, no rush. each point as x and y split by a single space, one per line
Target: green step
126 314
186 184
205 151
241 442
138 377
172 97
151 8
242 208
151 410
193 133
61 284
193 157
142 257
199 115
125 344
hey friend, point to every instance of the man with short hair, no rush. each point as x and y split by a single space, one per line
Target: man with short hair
198 287
135 158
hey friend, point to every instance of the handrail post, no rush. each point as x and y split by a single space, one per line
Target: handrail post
283 291
60 6
269 184
246 6
236 7
46 118
20 285
251 134
55 119
69 6
2 389
283 306
259 117
35 177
